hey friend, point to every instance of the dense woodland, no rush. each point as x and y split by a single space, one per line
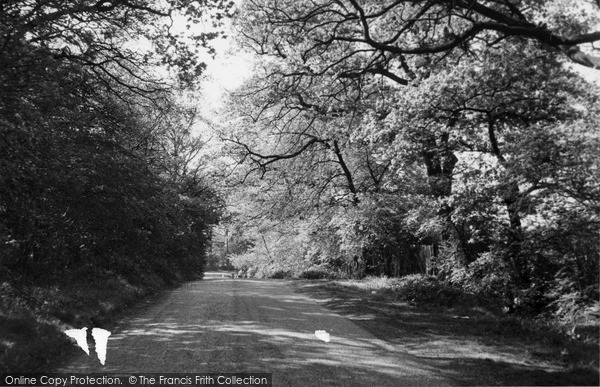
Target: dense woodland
97 151
457 139
454 138
104 197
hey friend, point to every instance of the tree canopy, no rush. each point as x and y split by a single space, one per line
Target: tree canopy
462 125
119 42
99 164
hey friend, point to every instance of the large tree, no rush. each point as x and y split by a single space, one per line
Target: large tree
323 56
420 92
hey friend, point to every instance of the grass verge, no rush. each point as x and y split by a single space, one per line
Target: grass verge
34 313
466 342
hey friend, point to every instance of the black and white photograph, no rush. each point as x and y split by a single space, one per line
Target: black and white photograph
300 193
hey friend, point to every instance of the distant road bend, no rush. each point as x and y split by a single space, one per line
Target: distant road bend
221 324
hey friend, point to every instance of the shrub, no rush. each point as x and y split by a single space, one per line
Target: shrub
252 272
427 290
372 282
315 274
280 274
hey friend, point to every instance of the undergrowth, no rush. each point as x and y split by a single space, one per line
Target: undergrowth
35 312
424 290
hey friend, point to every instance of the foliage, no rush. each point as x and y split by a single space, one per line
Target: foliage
414 288
280 274
64 183
103 197
271 248
380 127
316 274
120 43
103 190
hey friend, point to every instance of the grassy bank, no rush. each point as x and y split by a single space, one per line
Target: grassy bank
472 343
34 312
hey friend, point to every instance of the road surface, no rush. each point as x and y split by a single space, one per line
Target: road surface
247 325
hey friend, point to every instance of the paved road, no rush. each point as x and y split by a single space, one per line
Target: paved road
241 325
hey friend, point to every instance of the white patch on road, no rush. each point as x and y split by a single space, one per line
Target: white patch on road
101 338
323 335
80 336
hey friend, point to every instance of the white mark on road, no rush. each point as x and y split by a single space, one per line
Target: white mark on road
323 335
101 339
80 336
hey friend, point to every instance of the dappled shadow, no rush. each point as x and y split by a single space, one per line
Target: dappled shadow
465 347
476 371
226 325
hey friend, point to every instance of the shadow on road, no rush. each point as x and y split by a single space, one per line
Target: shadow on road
251 325
464 348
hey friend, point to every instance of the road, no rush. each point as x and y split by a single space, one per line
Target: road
248 325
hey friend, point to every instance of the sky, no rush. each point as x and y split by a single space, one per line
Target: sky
225 73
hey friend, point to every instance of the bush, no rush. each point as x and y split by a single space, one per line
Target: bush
417 288
315 274
252 272
372 282
280 274
426 290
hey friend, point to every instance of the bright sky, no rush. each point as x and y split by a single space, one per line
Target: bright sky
225 73
589 74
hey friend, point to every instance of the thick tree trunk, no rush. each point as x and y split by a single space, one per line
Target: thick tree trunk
512 199
440 162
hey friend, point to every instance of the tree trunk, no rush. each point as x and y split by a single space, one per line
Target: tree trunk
440 162
512 199
347 173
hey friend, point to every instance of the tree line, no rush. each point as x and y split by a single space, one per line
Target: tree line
99 164
370 128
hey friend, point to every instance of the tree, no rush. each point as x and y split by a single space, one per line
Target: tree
119 42
342 45
322 59
472 108
390 32
75 149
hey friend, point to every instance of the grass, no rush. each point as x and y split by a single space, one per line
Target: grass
470 343
35 313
